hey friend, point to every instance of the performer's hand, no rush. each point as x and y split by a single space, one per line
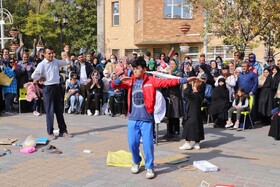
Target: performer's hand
125 79
278 113
190 79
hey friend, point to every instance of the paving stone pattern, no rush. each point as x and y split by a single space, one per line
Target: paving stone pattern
248 158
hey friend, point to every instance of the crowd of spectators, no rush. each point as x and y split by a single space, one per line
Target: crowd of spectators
86 82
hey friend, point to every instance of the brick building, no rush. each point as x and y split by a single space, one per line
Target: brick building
127 26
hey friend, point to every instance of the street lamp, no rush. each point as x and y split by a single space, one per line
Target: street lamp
5 19
61 22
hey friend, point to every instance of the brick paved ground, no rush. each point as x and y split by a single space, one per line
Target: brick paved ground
249 158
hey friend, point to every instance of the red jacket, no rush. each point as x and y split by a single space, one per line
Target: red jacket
150 84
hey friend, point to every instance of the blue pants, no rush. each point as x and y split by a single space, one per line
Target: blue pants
76 99
136 129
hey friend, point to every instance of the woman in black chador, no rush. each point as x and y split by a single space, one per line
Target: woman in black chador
220 103
268 92
192 121
274 130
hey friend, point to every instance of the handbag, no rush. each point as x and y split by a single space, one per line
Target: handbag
5 80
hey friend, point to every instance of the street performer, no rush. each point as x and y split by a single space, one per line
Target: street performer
141 101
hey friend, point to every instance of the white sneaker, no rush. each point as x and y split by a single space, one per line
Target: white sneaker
135 168
229 124
186 146
196 146
236 125
89 112
69 110
35 113
96 113
150 174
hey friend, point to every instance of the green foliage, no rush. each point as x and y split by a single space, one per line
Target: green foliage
40 24
241 22
35 17
82 29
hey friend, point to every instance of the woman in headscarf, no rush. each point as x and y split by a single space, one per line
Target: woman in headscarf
175 108
192 120
215 71
265 99
274 130
230 81
220 102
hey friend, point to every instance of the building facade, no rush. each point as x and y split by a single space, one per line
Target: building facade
128 26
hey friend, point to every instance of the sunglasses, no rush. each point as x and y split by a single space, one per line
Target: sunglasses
270 60
236 55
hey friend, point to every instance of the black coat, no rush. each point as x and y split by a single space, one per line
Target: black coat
22 76
220 100
219 105
175 107
192 121
274 130
265 101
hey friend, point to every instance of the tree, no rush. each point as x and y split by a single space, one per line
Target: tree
241 22
35 17
82 28
40 24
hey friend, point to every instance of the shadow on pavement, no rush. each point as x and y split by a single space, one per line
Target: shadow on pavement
99 129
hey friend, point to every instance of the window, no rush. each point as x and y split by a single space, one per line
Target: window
226 52
178 9
193 53
156 52
129 52
116 13
138 16
116 52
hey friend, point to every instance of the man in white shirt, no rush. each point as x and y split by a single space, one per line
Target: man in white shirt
48 72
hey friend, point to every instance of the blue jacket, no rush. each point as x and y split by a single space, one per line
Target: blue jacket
255 64
112 93
13 86
248 81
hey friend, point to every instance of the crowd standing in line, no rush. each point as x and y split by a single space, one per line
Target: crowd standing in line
125 87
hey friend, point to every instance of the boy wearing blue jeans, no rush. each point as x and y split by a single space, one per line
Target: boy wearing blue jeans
141 101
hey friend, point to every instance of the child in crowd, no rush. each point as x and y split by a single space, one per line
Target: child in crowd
239 104
34 94
106 79
71 75
72 93
94 88
116 98
141 101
